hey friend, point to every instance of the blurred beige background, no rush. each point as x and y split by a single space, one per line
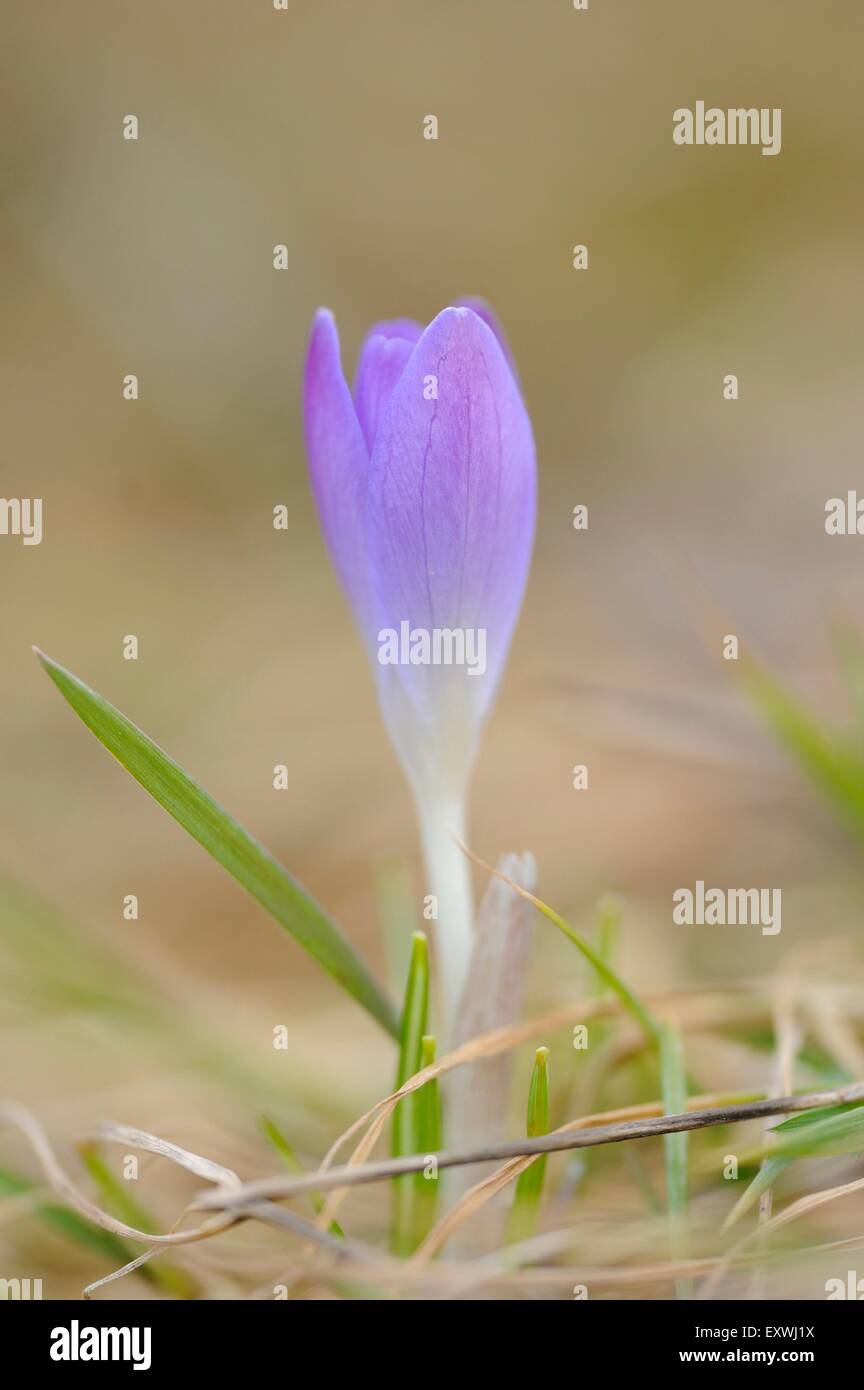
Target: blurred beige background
155 257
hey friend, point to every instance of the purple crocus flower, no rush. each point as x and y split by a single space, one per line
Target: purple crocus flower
425 482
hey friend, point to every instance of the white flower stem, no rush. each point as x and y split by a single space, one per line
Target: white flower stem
448 877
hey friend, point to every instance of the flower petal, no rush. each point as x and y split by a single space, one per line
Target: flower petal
485 311
452 501
338 460
382 362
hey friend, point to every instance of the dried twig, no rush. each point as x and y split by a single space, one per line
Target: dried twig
585 1136
63 1185
729 1001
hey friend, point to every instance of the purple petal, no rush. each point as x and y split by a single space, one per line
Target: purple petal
452 501
338 460
485 311
409 329
382 362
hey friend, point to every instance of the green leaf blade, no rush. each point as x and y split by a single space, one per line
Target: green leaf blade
604 972
529 1184
273 1133
830 1134
768 1174
833 762
428 1140
673 1076
226 840
822 1133
415 1013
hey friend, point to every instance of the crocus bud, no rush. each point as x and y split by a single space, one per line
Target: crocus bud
425 482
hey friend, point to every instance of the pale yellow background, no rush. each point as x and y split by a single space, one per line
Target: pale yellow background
155 257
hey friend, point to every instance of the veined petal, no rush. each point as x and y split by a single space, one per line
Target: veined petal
485 311
382 362
452 502
338 461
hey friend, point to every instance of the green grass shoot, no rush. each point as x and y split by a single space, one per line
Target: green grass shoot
593 955
673 1077
529 1185
427 1140
277 1139
415 1012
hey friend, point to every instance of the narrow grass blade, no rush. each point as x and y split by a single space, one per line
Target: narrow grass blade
427 1140
766 1177
673 1078
123 1205
829 759
828 1134
608 913
233 847
674 1087
415 1013
604 971
529 1185
832 1129
607 917
809 1117
273 1133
